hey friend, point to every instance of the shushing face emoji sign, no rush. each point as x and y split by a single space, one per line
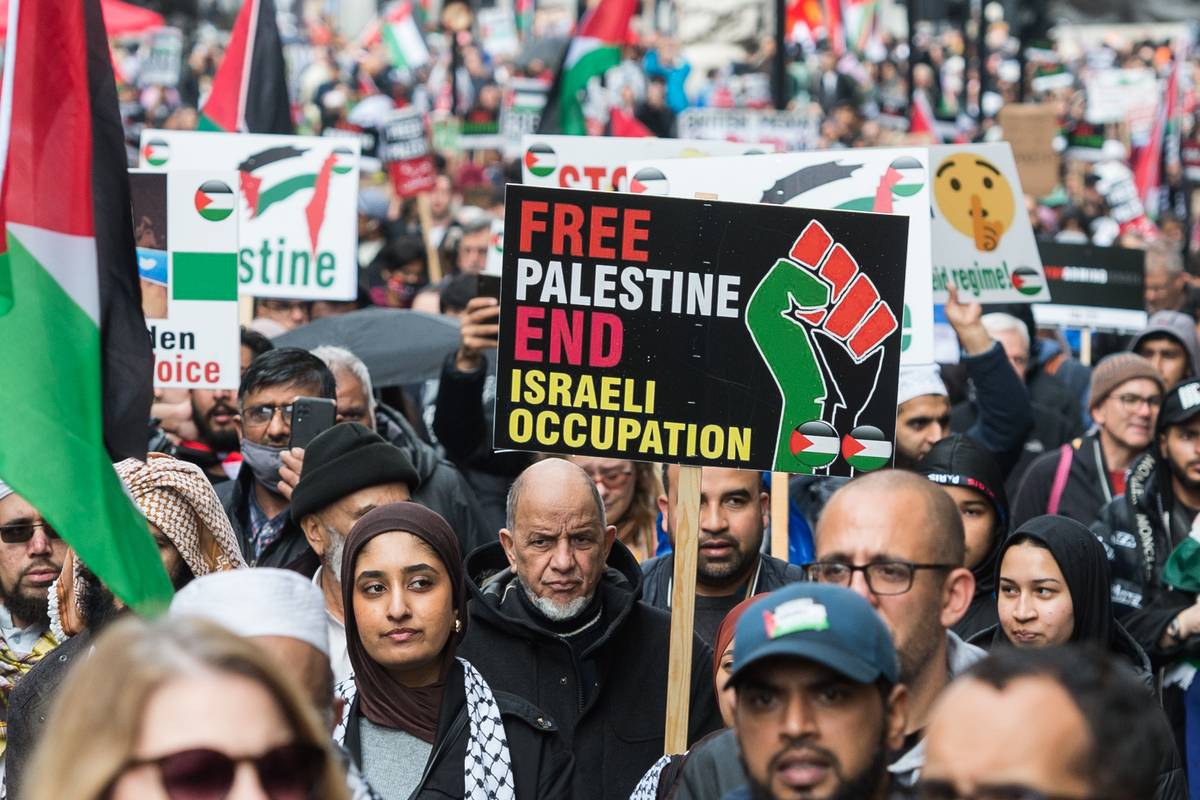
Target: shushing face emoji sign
975 197
982 241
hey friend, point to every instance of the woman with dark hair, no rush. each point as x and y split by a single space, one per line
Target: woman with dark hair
421 723
1053 588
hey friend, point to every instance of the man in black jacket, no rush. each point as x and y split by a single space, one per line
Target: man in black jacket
730 565
556 619
257 501
441 486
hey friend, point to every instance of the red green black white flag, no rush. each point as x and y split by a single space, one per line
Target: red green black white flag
74 351
249 92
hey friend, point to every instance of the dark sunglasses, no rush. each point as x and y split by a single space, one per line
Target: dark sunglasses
289 772
22 532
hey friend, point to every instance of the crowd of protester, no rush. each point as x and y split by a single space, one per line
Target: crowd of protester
397 610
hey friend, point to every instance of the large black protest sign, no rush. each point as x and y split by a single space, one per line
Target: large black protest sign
1099 288
699 332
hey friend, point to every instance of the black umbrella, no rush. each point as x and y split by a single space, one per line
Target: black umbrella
398 346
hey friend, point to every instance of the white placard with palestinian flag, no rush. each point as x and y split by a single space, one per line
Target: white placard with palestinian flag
982 240
297 202
185 227
598 162
891 180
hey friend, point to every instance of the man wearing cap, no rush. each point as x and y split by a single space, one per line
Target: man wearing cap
1079 478
348 470
1169 343
284 614
974 481
819 699
1003 415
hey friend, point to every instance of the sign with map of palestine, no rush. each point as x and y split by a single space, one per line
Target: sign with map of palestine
699 332
884 180
297 205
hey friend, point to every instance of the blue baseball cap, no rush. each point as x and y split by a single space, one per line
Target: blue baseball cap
830 625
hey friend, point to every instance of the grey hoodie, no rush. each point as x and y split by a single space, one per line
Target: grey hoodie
1178 326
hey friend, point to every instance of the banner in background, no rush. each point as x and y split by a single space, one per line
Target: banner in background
1099 288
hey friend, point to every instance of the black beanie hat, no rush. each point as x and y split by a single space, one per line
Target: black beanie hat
344 459
959 460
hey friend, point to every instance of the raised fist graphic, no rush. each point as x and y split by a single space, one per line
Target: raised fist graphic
815 316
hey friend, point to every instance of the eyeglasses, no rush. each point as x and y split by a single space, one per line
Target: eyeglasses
883 577
613 478
263 414
943 790
1132 402
22 532
289 772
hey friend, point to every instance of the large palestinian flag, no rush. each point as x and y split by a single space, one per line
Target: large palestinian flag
75 357
595 47
249 92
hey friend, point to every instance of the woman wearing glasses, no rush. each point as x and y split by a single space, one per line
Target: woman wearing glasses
181 710
419 722
630 493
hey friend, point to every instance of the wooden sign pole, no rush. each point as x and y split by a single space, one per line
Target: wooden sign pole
425 215
779 515
683 608
1085 347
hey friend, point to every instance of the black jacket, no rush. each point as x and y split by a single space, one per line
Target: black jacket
617 734
1087 490
29 706
289 551
659 573
462 423
541 763
443 489
1001 415
1136 531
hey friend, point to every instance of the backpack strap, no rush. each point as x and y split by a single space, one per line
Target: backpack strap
1067 455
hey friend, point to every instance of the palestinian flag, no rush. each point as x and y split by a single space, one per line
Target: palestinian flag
402 37
866 448
1027 281
215 200
249 92
541 160
156 152
910 176
859 18
649 180
814 444
343 160
595 47
73 345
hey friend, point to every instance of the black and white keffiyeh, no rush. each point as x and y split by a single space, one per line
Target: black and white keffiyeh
647 788
487 766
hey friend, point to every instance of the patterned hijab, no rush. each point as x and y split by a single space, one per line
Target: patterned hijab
177 497
383 699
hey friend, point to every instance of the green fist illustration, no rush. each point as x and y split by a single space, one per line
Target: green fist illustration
807 307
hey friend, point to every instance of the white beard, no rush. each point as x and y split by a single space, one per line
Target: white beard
556 612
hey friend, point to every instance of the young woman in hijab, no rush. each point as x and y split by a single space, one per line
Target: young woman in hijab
1053 588
421 723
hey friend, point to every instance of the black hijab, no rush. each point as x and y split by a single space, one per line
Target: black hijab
1085 567
381 697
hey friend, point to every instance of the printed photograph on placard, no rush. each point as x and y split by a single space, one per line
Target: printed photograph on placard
148 195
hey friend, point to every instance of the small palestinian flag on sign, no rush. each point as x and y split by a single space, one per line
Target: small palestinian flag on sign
541 160
344 162
866 448
814 444
1027 281
906 329
912 176
649 180
156 152
215 200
